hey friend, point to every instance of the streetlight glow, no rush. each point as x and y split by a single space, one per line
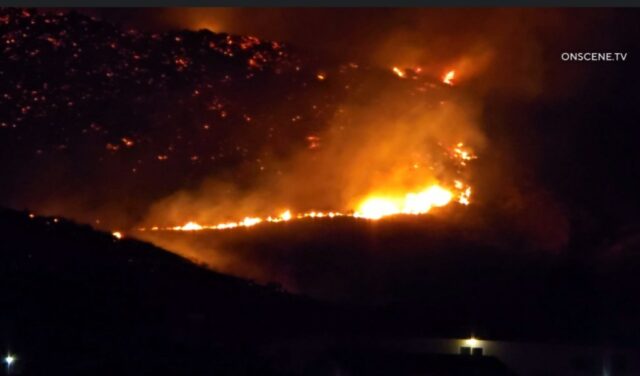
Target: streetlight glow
9 359
471 342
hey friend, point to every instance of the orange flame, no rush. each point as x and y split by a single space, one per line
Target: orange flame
398 72
373 207
449 77
412 203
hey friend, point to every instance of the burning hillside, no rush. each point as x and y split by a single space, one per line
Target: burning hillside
161 112
372 207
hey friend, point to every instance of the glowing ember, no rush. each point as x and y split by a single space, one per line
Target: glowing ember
464 196
399 72
127 142
461 153
448 77
117 234
314 142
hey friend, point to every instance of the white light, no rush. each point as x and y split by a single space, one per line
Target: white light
9 359
471 342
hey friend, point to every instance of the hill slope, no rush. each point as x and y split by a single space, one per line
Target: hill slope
78 300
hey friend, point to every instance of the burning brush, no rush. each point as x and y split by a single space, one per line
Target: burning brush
371 207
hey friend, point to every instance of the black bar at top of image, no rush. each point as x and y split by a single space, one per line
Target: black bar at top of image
319 3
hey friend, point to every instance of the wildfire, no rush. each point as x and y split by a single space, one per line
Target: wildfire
448 77
373 207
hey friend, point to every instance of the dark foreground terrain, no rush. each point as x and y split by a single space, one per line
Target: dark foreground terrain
78 301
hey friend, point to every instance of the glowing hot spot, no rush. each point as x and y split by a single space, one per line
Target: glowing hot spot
285 216
190 226
448 77
376 208
250 221
438 196
398 72
412 203
422 202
